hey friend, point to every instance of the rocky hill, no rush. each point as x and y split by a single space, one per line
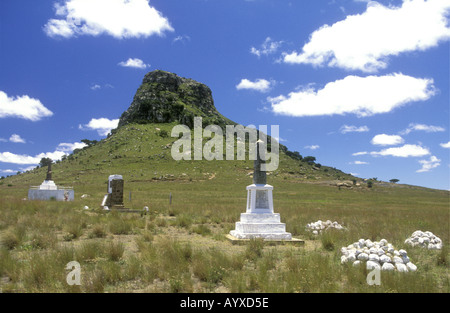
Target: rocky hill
165 97
140 148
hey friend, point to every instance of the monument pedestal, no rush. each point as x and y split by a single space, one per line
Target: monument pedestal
48 190
259 220
48 185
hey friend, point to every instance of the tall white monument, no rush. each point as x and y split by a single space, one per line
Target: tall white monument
48 190
259 219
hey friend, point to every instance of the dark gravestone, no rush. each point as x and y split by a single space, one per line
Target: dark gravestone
117 192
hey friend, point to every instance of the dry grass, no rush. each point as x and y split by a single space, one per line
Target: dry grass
182 247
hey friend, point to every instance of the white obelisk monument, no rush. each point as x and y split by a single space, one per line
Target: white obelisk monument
259 219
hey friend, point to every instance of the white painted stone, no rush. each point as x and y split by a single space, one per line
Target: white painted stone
351 257
370 265
374 257
356 263
397 259
401 267
385 259
363 256
387 267
411 267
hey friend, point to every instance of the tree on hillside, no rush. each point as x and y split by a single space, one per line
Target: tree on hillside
394 180
295 155
89 142
309 159
45 162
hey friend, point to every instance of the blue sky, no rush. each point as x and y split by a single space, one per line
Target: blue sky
361 85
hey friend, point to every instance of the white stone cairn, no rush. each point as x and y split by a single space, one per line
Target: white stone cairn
319 226
424 240
377 254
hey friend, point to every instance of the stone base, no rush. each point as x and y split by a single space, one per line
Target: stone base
234 240
260 225
58 195
48 185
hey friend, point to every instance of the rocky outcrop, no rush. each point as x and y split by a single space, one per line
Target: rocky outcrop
165 97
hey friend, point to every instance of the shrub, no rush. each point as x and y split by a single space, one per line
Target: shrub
115 251
163 133
442 258
327 240
88 251
74 229
184 221
10 240
98 231
119 227
254 248
201 230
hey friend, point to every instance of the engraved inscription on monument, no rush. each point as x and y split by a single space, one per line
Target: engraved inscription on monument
262 201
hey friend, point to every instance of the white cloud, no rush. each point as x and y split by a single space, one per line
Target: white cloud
117 18
445 145
98 87
102 125
350 129
28 168
8 171
422 127
267 47
363 96
313 147
360 153
365 41
69 147
135 63
181 38
261 85
16 138
359 163
404 151
387 140
22 107
62 149
428 165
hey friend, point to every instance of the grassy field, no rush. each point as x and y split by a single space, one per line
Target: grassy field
181 247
